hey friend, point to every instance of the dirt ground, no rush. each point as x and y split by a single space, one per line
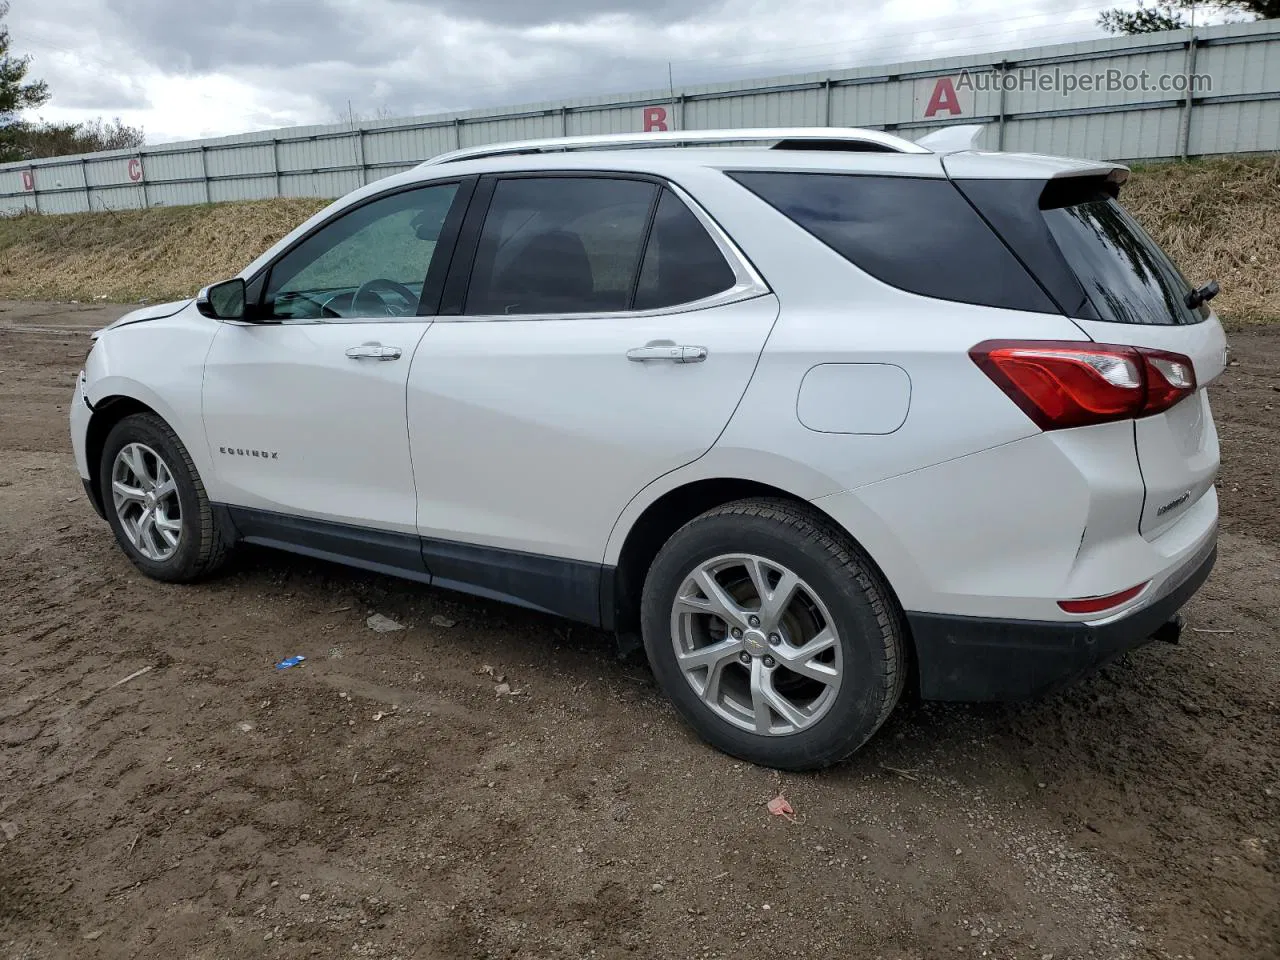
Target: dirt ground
382 801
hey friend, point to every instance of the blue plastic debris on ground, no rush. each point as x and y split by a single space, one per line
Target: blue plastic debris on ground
291 662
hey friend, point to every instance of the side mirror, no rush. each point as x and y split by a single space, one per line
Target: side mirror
223 301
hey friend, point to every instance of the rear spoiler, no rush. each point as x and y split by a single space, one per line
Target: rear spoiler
981 165
962 160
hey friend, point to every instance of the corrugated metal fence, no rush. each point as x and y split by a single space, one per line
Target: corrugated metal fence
1122 116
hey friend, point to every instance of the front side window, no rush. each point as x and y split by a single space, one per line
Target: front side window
369 263
560 245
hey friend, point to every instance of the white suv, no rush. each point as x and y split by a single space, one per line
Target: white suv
816 413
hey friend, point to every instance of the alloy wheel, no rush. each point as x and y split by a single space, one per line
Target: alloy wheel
146 501
757 644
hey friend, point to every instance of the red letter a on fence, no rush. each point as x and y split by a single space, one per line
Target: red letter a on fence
944 98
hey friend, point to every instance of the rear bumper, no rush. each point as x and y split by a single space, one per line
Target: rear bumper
984 659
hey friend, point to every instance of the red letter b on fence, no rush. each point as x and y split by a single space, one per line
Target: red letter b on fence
655 118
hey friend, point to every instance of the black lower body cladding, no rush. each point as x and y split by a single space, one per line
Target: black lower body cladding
982 659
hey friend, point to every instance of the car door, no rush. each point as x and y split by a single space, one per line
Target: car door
597 331
304 408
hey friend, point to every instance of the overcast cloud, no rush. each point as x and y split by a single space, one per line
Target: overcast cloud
194 68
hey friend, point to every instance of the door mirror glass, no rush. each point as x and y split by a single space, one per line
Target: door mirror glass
223 301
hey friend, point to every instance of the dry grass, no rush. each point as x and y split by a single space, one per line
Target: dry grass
161 254
1219 219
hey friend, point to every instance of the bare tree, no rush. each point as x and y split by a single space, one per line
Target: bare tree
1175 14
41 139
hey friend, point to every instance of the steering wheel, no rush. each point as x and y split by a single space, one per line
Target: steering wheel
368 298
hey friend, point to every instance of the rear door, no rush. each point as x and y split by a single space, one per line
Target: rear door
1117 285
597 331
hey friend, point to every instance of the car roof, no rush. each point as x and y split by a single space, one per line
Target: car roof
670 162
675 163
842 149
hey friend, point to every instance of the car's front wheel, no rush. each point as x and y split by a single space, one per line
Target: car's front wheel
774 635
156 503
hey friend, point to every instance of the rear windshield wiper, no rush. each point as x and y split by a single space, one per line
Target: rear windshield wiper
1204 294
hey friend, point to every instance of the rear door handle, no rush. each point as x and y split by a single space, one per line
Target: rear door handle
373 351
667 350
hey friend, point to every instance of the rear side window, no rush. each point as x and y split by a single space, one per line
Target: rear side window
682 263
591 245
560 245
917 234
1125 275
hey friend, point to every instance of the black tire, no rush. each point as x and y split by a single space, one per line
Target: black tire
864 612
203 543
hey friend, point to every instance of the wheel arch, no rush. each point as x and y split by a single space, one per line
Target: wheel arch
107 412
676 507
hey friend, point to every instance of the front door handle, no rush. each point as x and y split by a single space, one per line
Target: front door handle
373 351
667 350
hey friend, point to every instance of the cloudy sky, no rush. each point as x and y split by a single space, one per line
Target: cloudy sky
192 68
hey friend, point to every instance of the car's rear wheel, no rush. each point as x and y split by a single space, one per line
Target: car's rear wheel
774 635
156 503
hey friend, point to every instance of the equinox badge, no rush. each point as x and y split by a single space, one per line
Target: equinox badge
240 452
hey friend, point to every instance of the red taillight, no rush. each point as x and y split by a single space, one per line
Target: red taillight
1170 377
1098 604
1067 383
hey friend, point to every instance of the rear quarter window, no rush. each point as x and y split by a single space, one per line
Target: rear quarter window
682 263
917 234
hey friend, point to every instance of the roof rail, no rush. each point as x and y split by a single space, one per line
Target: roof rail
789 138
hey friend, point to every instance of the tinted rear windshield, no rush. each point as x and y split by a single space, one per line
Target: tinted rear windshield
1125 275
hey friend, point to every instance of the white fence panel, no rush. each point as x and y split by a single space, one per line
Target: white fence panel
1073 115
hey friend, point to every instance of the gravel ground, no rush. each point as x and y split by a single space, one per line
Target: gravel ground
385 799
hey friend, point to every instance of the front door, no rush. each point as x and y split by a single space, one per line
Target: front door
607 333
304 409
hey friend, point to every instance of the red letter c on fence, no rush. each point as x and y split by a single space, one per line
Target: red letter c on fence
135 169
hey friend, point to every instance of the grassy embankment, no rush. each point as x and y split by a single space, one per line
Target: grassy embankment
1219 219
